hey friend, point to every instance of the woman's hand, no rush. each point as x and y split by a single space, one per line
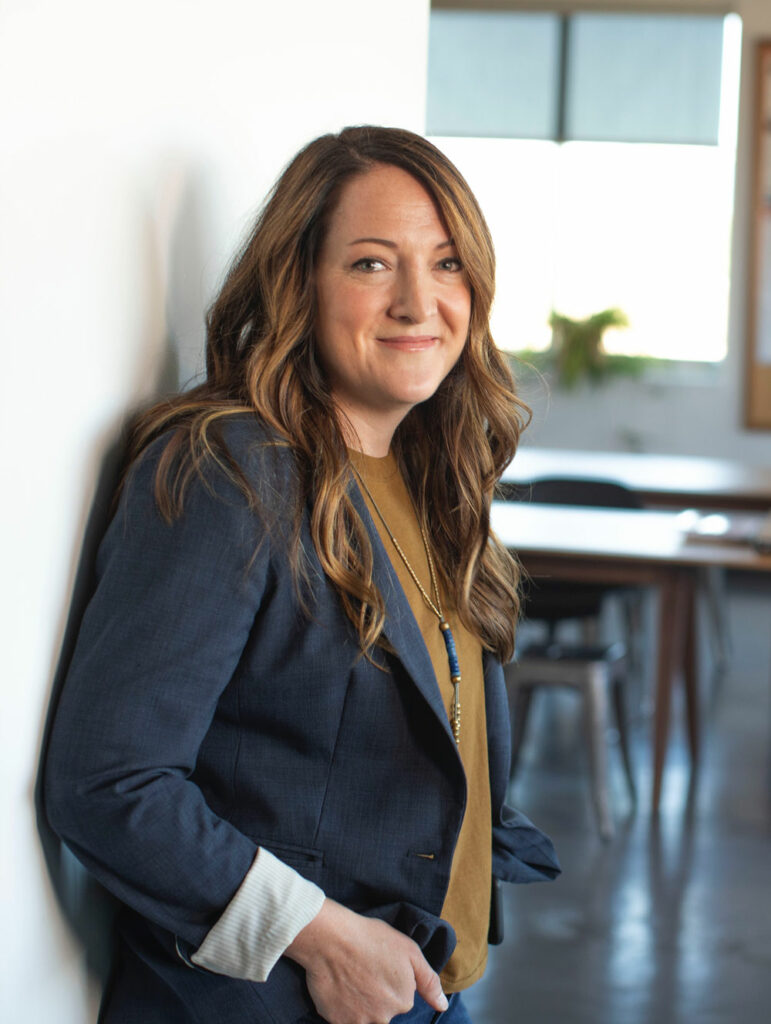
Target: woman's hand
360 970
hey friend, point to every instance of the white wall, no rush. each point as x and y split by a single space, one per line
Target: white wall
135 140
699 413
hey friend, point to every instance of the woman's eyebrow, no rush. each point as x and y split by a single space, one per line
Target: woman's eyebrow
447 243
377 241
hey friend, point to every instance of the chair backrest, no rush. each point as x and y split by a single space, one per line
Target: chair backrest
568 491
552 601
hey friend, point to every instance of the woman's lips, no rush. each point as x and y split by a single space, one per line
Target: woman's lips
410 342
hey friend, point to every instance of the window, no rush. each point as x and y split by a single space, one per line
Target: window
604 162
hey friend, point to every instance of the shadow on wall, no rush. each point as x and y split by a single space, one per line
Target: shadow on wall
170 340
85 905
192 278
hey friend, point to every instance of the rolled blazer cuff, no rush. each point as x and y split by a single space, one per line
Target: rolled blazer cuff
521 852
271 906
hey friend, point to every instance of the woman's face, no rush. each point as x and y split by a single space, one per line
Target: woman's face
393 302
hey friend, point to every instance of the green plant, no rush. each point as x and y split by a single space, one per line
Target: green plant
577 345
576 351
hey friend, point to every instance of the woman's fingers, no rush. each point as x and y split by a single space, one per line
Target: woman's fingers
427 982
360 970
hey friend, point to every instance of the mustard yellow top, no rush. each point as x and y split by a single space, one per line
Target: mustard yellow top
467 903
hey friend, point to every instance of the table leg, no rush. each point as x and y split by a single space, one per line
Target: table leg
672 643
690 670
667 603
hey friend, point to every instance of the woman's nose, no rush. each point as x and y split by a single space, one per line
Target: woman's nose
414 297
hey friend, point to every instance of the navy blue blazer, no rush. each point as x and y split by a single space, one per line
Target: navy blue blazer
205 714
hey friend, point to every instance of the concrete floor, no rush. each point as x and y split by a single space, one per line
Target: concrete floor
670 922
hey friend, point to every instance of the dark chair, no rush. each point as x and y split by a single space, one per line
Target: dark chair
597 671
552 602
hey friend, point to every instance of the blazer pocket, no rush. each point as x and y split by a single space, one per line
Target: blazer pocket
289 852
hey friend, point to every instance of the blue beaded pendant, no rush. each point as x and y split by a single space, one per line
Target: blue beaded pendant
452 657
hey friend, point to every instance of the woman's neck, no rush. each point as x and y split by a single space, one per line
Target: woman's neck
369 433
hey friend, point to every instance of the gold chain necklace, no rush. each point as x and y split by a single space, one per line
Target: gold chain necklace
435 605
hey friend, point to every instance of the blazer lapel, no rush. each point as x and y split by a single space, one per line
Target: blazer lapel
401 628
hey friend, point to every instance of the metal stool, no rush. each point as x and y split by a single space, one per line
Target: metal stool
594 670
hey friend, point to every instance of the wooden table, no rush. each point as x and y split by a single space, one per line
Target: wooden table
671 481
630 547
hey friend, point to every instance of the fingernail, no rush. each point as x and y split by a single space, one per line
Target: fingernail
443 1004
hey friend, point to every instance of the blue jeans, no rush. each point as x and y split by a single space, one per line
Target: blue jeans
422 1013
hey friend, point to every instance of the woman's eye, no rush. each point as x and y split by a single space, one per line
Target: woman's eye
452 264
368 264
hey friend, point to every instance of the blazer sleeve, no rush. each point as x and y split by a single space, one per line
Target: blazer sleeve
159 642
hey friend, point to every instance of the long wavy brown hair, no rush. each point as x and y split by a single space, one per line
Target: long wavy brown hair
261 359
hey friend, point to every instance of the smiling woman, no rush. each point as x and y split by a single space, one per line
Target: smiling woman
258 747
394 303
